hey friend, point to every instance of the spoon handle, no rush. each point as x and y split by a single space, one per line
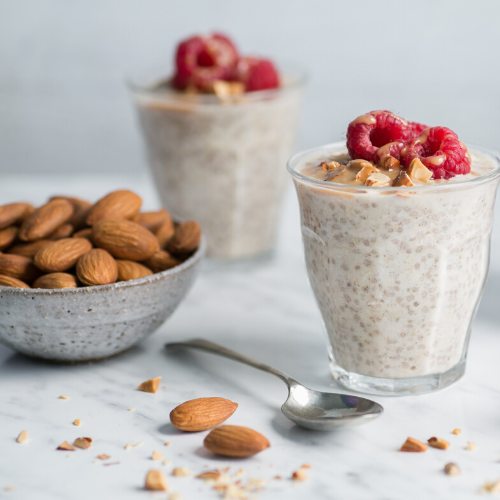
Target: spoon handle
211 347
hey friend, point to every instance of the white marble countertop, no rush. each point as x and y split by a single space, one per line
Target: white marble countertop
267 313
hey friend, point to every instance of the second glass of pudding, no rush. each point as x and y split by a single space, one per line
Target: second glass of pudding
397 272
217 159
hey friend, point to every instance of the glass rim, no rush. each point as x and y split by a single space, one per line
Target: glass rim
299 77
292 162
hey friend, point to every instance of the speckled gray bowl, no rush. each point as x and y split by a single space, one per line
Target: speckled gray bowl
96 322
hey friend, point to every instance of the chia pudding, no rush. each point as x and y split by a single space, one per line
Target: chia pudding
216 155
397 272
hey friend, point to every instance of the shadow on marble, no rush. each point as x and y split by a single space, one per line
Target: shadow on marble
170 430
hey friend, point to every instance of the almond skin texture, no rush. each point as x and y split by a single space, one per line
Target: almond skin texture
202 414
53 281
124 239
151 220
186 239
235 441
7 237
96 267
45 220
64 231
61 255
19 267
28 249
128 270
122 204
13 213
84 233
161 261
12 282
77 203
165 232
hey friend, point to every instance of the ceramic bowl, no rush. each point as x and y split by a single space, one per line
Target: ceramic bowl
95 322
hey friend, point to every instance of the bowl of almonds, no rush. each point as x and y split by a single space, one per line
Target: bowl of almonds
82 281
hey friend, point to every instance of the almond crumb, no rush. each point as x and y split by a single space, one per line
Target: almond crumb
156 455
103 457
490 487
83 443
402 180
277 477
457 432
452 469
181 471
438 443
471 447
365 172
63 397
156 481
150 385
23 436
128 447
378 180
209 475
136 445
388 162
413 445
77 422
418 171
66 446
131 409
167 462
299 475
306 466
167 443
175 496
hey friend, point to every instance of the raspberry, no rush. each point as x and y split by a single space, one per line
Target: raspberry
416 129
439 149
367 133
256 74
201 61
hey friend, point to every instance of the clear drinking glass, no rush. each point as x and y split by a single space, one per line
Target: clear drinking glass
397 273
217 161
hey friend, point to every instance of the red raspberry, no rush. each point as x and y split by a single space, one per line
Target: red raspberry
256 74
439 149
367 133
416 129
201 61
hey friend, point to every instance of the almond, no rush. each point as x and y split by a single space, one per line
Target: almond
150 385
83 443
61 255
156 481
84 233
63 231
235 441
122 204
129 270
77 203
186 238
18 267
413 445
54 281
165 232
152 220
12 282
161 261
28 249
66 447
96 267
202 414
402 180
438 443
124 239
45 220
13 213
7 237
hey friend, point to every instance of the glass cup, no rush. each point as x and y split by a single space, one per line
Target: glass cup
217 160
397 273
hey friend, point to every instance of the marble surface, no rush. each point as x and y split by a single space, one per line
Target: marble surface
268 313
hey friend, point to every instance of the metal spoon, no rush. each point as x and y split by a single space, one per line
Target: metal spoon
319 411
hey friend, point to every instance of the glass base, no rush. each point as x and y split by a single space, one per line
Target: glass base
214 264
396 386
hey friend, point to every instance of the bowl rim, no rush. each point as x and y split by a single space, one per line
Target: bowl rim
188 263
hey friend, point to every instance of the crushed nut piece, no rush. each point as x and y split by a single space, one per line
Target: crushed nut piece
438 443
277 477
103 457
150 385
378 180
402 180
77 422
490 487
128 447
167 443
131 409
136 445
413 445
457 432
181 471
335 173
362 164
156 455
167 462
83 443
233 491
365 172
388 162
471 447
63 397
300 475
224 89
23 436
452 469
156 480
209 475
306 466
418 171
66 446
330 166
175 496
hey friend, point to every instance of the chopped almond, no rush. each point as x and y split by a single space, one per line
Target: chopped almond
388 162
306 466
23 436
167 462
471 447
378 180
209 475
63 397
128 446
457 432
156 455
438 443
413 445
103 457
136 445
66 446
167 444
83 443
77 422
365 172
418 171
300 475
156 481
277 477
175 496
131 409
150 385
181 471
490 487
451 469
402 180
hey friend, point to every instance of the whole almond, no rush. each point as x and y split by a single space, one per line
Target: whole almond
161 261
7 236
129 270
96 267
235 441
186 239
81 212
122 204
12 282
165 232
124 239
64 231
17 266
202 414
45 220
28 249
84 233
56 281
151 220
61 255
77 203
13 213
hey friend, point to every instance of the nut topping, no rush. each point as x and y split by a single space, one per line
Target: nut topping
418 171
365 172
402 180
378 180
